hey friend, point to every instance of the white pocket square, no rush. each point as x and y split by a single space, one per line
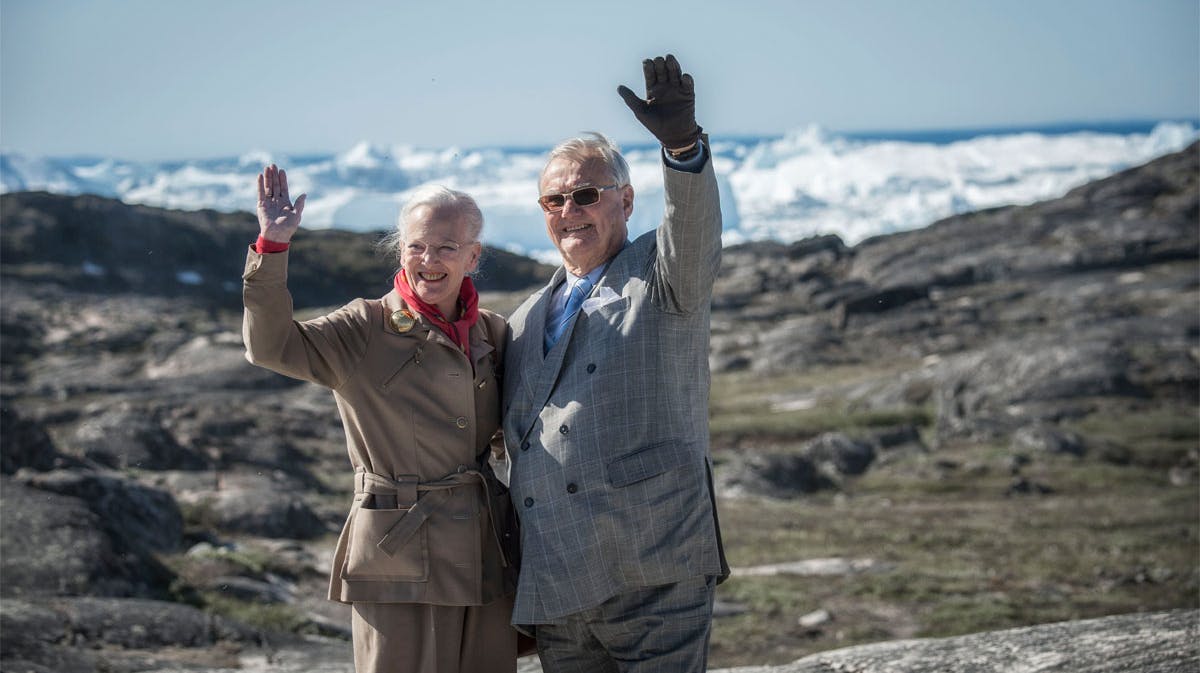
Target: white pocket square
604 295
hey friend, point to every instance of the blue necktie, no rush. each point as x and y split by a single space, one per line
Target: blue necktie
579 292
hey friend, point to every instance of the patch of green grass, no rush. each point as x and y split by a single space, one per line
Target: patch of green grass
766 423
198 515
196 569
746 404
1156 435
738 385
770 627
253 561
959 615
773 596
265 616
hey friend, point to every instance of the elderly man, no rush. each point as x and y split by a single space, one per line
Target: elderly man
606 388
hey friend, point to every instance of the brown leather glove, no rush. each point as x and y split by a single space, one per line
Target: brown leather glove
669 111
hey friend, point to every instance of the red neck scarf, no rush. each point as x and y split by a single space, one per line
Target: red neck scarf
459 331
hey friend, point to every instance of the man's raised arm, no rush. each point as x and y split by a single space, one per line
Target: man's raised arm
689 239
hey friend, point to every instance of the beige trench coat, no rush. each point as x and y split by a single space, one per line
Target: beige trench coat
419 420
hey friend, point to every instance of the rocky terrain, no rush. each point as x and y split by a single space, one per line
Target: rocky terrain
166 506
995 326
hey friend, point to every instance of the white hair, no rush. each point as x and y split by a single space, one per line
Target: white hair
592 145
434 197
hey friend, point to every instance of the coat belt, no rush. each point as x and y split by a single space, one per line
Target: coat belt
406 487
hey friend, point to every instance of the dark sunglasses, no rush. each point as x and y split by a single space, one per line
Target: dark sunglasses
584 196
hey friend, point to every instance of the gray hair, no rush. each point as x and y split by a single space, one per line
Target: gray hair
592 145
434 197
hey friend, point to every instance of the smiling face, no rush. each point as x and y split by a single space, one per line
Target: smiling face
438 251
586 236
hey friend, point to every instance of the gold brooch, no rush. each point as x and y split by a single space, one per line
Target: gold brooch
402 320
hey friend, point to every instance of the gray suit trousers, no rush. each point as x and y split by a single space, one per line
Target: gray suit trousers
663 629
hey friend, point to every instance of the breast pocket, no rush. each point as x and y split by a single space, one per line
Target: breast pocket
611 309
609 321
401 362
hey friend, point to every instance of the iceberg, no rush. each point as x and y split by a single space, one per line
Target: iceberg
807 182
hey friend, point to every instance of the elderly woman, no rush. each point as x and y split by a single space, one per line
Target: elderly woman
414 376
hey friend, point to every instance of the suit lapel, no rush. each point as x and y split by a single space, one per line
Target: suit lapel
552 365
535 328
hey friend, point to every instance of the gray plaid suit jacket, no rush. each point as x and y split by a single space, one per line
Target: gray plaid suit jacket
608 432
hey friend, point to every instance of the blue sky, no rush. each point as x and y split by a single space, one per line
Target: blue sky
156 79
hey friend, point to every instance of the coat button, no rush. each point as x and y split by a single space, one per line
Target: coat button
461 421
529 502
563 429
524 446
591 368
571 488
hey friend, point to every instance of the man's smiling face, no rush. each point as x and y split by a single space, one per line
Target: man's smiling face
586 236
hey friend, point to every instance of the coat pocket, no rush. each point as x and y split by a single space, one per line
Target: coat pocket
646 462
407 359
365 560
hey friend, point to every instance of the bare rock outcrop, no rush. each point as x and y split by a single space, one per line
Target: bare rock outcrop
1163 642
56 545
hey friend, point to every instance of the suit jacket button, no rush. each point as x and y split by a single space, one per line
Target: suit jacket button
571 488
524 446
591 368
563 429
461 422
529 502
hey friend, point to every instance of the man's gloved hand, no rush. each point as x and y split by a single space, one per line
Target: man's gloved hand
669 111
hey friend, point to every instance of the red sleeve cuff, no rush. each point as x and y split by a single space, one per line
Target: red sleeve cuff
263 247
